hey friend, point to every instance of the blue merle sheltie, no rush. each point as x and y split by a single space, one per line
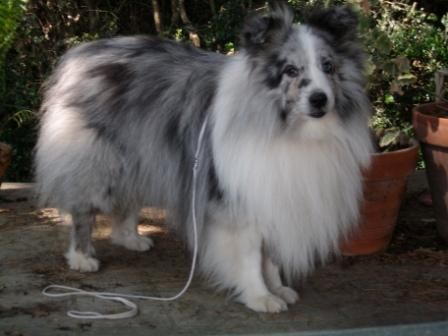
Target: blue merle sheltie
279 182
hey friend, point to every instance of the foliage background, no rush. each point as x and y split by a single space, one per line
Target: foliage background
406 42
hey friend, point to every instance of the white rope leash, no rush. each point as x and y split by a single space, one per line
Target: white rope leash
64 291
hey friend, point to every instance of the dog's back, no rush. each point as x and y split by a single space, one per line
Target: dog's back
115 106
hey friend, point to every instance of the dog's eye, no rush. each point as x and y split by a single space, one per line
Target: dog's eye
291 71
328 67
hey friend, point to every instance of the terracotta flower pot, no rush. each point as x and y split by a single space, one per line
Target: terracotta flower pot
384 189
5 159
432 131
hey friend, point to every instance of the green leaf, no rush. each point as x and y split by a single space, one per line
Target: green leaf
389 138
406 79
389 99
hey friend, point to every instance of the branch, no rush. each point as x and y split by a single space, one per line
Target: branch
192 31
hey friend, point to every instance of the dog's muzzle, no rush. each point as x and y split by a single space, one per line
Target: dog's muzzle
318 101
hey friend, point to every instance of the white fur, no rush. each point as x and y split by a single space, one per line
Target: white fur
78 261
274 282
125 233
319 80
293 194
232 258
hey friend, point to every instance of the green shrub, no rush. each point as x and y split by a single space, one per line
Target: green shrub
10 13
405 45
43 32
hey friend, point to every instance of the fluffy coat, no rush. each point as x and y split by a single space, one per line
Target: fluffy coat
280 171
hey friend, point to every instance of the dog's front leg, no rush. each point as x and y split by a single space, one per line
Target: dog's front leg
232 257
255 294
275 283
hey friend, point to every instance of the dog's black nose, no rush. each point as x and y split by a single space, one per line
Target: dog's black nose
318 99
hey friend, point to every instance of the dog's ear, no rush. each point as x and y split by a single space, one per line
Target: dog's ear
262 33
340 22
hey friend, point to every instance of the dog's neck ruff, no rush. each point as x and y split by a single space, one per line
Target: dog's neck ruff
64 291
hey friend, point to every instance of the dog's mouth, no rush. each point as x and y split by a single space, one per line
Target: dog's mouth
291 113
317 113
314 107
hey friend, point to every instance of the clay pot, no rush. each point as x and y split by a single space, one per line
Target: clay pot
5 159
384 188
432 132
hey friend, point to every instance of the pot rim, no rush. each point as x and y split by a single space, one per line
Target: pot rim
417 110
430 129
413 143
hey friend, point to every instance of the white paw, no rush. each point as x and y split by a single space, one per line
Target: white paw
78 261
134 242
267 304
288 294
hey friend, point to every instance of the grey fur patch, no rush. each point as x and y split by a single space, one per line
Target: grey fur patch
145 100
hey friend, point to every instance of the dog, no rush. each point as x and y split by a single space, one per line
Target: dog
280 170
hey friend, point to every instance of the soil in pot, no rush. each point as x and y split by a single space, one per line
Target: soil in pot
431 127
384 188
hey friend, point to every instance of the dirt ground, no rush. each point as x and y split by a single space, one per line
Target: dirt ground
406 284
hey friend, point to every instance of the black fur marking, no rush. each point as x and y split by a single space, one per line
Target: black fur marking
304 82
116 76
115 83
274 71
284 115
215 193
273 81
109 192
172 133
346 106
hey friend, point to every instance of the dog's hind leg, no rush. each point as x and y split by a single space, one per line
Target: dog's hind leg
275 284
81 252
232 257
125 233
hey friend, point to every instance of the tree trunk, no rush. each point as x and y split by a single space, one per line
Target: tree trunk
183 13
192 31
212 7
157 16
174 12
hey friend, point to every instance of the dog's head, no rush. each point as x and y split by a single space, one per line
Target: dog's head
314 68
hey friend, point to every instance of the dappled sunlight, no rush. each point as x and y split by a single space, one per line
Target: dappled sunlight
150 222
104 231
51 216
150 229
